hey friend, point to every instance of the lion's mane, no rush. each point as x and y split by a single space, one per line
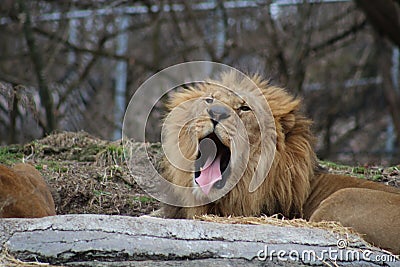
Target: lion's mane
287 185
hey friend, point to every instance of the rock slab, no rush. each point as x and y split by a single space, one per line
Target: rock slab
104 240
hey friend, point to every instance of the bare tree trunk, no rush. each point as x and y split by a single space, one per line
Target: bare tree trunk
384 16
278 53
13 117
391 95
44 91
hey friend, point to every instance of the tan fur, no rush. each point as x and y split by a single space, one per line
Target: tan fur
24 193
294 187
370 212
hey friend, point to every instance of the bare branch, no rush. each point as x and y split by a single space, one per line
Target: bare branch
193 19
337 38
37 60
96 52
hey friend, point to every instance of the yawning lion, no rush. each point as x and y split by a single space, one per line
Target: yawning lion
244 148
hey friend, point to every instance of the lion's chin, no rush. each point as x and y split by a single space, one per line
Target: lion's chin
212 164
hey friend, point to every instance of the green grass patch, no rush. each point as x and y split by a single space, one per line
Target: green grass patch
101 193
117 150
10 155
334 166
112 154
377 177
143 199
39 167
356 171
55 166
394 169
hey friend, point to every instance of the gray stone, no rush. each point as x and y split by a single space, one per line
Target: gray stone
102 240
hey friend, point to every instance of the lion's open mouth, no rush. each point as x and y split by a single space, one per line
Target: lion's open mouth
212 167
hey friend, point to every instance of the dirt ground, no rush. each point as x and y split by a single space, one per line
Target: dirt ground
85 174
90 175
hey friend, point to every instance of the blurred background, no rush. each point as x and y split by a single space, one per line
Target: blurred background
74 64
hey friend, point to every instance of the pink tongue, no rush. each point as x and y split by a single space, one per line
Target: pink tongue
210 175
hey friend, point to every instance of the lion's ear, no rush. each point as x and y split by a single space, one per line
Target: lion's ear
288 121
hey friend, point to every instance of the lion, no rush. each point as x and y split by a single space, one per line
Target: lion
292 183
24 193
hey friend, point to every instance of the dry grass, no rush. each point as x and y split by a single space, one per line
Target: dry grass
8 260
334 227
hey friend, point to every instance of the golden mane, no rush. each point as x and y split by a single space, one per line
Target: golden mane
287 185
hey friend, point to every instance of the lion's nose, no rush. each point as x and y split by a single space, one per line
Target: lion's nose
218 112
